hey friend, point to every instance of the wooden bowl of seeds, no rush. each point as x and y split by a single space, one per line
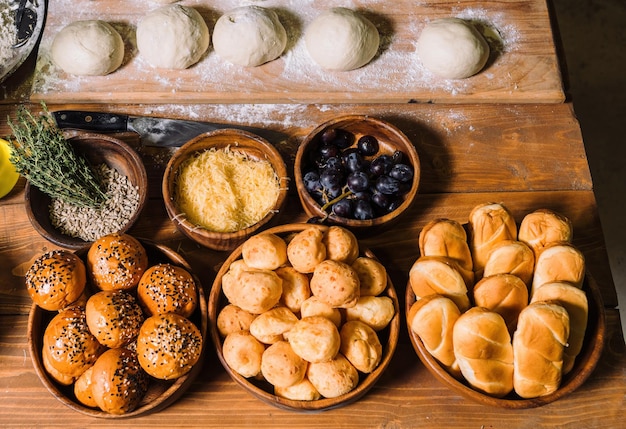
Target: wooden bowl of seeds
123 180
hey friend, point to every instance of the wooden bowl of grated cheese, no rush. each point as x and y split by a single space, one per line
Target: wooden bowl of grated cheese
223 186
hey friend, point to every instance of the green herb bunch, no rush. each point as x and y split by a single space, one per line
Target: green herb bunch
40 153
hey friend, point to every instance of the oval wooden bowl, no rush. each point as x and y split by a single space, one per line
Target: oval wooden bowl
390 139
252 145
583 367
263 390
97 149
161 393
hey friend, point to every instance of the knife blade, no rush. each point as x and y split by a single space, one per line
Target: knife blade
153 131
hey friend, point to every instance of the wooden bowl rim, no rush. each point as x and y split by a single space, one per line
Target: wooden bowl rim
313 209
583 367
75 243
173 389
366 382
223 240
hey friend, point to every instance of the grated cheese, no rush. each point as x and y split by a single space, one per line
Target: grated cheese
225 190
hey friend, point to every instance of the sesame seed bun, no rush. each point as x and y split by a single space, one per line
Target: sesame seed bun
114 317
116 261
167 288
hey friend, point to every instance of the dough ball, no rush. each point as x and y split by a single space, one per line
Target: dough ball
341 244
270 326
281 366
372 275
341 39
255 291
375 311
265 251
172 37
316 307
90 48
249 36
306 249
361 346
113 317
314 339
302 391
336 283
296 288
333 378
233 319
167 288
452 48
243 353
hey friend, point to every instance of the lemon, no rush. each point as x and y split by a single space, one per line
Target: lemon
8 175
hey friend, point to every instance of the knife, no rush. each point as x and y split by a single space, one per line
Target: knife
153 131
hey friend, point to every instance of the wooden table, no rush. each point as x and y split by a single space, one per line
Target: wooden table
527 155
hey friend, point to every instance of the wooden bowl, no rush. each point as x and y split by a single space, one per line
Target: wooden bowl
390 139
263 390
161 393
97 149
254 147
583 367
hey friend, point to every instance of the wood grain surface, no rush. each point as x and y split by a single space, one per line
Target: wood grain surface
523 66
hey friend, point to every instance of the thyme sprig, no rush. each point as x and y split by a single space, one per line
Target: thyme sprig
40 153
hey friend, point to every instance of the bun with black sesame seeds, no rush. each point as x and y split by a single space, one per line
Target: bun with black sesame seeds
168 346
116 261
69 348
118 383
114 317
167 288
56 279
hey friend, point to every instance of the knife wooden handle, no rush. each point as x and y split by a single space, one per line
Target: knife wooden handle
91 121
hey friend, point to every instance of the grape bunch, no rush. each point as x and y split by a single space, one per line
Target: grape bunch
354 179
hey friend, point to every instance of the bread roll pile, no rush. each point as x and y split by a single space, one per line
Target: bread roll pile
499 308
304 312
120 322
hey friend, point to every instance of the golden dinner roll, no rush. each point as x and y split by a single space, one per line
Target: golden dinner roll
333 378
335 283
168 345
538 345
118 383
446 237
374 311
489 224
302 391
437 275
281 366
233 319
361 346
306 249
432 318
505 294
56 279
372 275
82 389
543 227
55 374
114 317
270 326
243 353
314 306
560 262
296 288
341 244
575 302
314 339
68 345
167 288
511 257
116 261
253 290
483 350
265 251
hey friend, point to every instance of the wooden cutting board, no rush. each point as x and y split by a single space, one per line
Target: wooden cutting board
523 67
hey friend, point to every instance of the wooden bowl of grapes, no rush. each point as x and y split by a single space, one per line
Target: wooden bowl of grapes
356 171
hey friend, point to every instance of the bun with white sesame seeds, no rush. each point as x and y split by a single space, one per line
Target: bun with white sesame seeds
56 279
167 288
116 261
168 346
114 317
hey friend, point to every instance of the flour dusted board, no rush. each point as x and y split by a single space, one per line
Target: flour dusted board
523 67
